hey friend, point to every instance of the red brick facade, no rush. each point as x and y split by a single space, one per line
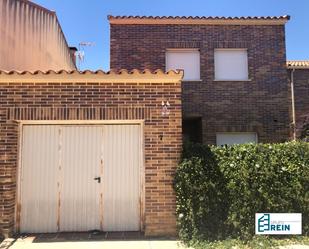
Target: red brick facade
260 105
301 96
75 99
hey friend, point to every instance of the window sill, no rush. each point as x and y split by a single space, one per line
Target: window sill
192 80
233 80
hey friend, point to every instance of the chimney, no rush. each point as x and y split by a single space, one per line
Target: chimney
72 54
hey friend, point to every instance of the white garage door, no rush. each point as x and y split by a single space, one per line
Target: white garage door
80 178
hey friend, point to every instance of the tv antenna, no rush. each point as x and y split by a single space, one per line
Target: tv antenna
80 53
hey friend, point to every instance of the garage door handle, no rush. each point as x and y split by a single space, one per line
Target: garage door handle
97 179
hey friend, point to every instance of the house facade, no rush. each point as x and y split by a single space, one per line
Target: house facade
235 87
82 151
298 72
32 38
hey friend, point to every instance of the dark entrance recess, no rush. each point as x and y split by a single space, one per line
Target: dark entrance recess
192 129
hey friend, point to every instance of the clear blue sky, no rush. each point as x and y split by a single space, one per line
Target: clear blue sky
83 20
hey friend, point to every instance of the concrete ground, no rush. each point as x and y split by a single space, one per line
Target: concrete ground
294 247
97 241
88 240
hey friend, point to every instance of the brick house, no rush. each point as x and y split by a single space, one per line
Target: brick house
298 72
62 132
235 86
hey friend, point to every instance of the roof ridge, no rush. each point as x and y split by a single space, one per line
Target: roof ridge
199 20
98 76
100 71
200 17
298 64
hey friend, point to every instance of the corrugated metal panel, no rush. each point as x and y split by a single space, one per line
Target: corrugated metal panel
80 194
59 164
121 183
31 38
39 179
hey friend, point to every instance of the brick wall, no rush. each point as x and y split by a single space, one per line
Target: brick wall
301 96
98 101
261 105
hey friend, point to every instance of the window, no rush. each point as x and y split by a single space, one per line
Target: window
231 64
186 59
230 138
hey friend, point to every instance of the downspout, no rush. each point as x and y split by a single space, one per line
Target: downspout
293 104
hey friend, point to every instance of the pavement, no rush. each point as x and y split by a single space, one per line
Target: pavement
98 241
88 240
294 247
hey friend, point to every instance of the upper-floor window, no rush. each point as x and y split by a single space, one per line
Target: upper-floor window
231 64
230 138
186 59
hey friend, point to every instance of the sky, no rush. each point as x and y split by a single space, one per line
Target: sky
86 20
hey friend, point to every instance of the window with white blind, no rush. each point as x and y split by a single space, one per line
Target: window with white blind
185 59
231 64
230 138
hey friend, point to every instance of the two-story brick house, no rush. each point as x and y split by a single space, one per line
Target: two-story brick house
62 131
235 87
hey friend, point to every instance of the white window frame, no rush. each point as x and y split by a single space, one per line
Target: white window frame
184 50
231 49
236 133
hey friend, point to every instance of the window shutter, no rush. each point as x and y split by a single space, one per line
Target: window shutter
186 59
231 64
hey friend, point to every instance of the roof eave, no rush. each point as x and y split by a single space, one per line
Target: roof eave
131 20
120 76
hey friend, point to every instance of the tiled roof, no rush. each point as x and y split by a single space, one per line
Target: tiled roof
92 76
253 20
98 72
203 17
303 64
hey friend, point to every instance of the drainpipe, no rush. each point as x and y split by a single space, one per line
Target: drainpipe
293 104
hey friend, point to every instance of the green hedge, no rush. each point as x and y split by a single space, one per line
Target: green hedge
219 189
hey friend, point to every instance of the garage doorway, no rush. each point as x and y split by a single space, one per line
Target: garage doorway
80 178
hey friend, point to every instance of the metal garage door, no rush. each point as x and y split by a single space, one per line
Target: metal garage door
80 178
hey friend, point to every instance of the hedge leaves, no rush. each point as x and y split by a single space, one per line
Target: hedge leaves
219 189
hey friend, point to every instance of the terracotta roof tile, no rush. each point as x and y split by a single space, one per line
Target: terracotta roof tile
92 76
253 20
286 17
101 72
299 64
